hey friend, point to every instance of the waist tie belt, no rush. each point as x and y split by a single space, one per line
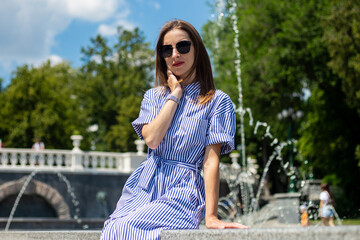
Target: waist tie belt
153 162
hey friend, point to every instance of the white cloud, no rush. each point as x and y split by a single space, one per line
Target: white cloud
125 24
28 28
92 10
106 30
55 59
120 20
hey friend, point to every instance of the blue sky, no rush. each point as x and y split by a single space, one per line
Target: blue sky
33 31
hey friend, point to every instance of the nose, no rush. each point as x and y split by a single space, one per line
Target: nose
175 53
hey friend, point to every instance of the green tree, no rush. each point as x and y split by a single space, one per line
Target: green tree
288 49
273 38
38 103
342 36
1 85
111 85
331 134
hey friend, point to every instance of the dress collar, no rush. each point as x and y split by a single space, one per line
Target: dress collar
192 88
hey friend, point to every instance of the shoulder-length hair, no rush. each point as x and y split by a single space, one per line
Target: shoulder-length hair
201 66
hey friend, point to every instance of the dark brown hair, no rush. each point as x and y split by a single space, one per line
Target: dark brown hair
201 66
326 187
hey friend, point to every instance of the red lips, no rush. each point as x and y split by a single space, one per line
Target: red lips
178 64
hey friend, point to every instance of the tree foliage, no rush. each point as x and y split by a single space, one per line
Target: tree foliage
39 103
54 102
304 56
111 85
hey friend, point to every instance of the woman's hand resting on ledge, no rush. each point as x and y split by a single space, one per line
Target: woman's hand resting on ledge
215 223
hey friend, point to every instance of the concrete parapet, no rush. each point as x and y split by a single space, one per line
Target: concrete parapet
50 235
298 233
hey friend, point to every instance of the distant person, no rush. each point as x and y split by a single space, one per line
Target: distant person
326 205
38 145
304 216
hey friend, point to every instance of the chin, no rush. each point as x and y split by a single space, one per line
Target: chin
178 75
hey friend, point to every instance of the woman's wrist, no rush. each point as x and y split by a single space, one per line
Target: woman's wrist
210 217
173 98
177 92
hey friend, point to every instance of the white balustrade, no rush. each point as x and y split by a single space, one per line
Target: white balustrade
28 159
69 160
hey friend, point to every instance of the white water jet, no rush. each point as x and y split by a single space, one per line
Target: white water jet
25 185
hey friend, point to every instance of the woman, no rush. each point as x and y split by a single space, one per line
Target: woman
186 125
326 205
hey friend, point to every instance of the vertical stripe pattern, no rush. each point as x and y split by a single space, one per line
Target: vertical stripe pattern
166 191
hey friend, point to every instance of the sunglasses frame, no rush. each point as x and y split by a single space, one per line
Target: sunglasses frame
168 52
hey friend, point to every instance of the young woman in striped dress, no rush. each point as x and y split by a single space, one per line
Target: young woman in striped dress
186 124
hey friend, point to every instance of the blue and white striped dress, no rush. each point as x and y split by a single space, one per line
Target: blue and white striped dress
167 191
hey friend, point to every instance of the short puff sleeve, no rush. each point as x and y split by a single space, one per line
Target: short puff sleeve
148 112
222 126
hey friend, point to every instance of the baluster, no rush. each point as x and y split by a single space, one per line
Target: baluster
67 160
13 159
94 162
86 161
111 162
58 160
4 159
102 162
32 159
23 159
120 163
50 160
41 160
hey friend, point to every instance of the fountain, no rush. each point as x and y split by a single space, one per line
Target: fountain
24 187
241 182
241 179
45 186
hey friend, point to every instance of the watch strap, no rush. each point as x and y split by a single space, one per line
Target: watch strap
173 98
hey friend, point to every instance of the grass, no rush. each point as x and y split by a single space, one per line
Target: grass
350 221
343 222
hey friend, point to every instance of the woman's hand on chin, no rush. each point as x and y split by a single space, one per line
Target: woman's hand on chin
174 85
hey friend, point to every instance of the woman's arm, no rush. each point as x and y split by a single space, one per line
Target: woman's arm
155 131
211 178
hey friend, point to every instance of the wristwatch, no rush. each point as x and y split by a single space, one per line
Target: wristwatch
173 98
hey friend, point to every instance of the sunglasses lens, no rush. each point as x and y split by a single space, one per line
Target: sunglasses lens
183 47
166 51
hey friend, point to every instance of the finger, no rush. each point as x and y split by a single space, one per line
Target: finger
235 225
171 77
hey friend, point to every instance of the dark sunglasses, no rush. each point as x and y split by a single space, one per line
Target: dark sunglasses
182 47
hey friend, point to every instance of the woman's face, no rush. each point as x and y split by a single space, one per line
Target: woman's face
179 64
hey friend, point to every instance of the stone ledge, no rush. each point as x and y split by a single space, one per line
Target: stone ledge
298 233
50 235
